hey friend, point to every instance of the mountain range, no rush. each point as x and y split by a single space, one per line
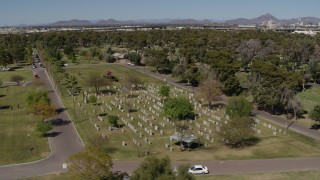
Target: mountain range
244 21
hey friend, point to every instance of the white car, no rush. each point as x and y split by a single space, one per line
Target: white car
198 169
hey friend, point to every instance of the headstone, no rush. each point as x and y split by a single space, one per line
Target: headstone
274 133
123 143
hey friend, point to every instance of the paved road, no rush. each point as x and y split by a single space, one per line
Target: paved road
267 116
67 142
240 166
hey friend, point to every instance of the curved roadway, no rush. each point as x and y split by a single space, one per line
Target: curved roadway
66 142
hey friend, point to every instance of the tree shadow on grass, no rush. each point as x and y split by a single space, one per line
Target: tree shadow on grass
5 107
193 146
245 143
1 95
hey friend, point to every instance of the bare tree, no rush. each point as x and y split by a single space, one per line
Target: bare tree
181 129
97 81
210 89
249 50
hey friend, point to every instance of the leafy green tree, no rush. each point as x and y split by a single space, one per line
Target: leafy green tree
237 132
17 52
231 86
177 108
93 99
164 91
238 107
113 120
153 168
134 58
17 79
91 163
183 173
109 58
43 128
72 57
37 96
5 57
315 113
68 50
157 59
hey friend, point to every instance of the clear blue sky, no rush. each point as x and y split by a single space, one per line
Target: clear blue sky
13 12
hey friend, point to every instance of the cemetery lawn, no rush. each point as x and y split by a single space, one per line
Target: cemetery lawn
310 175
281 145
309 99
24 71
17 135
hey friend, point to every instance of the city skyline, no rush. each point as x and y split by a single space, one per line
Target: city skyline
16 12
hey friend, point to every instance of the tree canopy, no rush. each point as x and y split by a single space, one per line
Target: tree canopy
153 168
238 107
91 163
177 108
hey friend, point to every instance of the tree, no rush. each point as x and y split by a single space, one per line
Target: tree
177 108
231 86
154 168
93 99
181 129
17 79
164 91
238 107
295 104
315 113
183 173
5 57
43 128
91 163
134 82
249 50
96 81
113 120
210 90
134 58
237 132
42 109
37 96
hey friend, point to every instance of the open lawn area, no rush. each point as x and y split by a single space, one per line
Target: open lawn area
308 175
19 141
309 98
134 140
24 71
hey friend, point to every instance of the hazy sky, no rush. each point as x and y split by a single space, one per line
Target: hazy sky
13 12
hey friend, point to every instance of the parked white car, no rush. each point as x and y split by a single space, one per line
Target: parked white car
198 169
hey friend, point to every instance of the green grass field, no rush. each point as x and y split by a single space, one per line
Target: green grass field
310 97
17 135
25 72
269 146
